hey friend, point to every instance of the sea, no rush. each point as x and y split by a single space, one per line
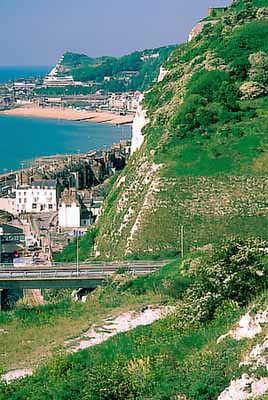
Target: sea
23 139
12 73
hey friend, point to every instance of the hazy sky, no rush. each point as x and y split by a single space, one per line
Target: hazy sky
37 32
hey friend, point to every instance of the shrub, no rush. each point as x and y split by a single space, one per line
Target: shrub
236 271
259 67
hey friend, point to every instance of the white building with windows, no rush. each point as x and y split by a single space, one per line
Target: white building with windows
69 210
40 196
8 203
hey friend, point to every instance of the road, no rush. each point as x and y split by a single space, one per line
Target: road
68 275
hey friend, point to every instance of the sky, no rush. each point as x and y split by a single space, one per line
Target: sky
38 32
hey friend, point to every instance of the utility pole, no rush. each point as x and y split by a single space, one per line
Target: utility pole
77 254
182 241
5 172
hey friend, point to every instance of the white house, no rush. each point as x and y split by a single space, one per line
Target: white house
69 211
40 196
8 204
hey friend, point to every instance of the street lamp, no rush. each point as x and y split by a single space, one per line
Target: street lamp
5 172
77 252
1 234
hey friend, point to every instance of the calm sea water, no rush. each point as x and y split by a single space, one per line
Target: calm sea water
12 73
23 138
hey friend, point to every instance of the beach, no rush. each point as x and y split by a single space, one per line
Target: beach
69 115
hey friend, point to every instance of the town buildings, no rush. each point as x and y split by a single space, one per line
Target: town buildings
69 210
8 203
40 196
11 240
124 101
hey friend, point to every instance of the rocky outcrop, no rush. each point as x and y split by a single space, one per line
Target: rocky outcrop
198 28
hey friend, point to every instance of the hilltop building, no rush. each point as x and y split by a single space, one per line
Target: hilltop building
58 81
213 12
54 79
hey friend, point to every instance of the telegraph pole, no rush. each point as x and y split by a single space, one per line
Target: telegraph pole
77 254
182 241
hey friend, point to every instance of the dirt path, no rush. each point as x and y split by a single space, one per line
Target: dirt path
100 333
112 326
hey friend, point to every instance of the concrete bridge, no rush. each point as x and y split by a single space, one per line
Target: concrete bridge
58 276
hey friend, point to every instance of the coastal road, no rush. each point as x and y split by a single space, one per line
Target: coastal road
70 275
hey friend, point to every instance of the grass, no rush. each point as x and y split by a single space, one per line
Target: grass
177 355
187 363
34 334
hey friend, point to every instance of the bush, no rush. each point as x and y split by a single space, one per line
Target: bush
236 271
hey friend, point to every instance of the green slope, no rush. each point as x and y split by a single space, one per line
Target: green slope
204 161
178 357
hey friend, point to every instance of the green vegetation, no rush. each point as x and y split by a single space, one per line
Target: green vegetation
126 73
31 335
208 131
85 245
178 355
203 166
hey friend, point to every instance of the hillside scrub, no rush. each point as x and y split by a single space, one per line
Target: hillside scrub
175 356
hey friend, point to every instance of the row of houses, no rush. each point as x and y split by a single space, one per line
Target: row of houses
65 185
74 208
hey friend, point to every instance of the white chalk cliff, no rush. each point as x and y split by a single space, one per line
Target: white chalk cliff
162 74
139 123
141 120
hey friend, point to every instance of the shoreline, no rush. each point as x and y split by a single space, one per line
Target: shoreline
99 117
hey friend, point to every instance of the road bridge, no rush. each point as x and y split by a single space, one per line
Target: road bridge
58 276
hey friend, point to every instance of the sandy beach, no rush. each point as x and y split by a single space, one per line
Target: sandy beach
70 115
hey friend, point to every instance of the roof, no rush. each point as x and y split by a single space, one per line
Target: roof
69 198
44 184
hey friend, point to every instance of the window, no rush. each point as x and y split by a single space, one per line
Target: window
50 206
25 193
19 200
34 206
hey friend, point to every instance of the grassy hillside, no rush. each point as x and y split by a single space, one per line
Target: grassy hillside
144 71
180 356
204 161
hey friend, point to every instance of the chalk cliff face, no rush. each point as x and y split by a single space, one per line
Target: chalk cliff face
140 120
162 74
139 123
